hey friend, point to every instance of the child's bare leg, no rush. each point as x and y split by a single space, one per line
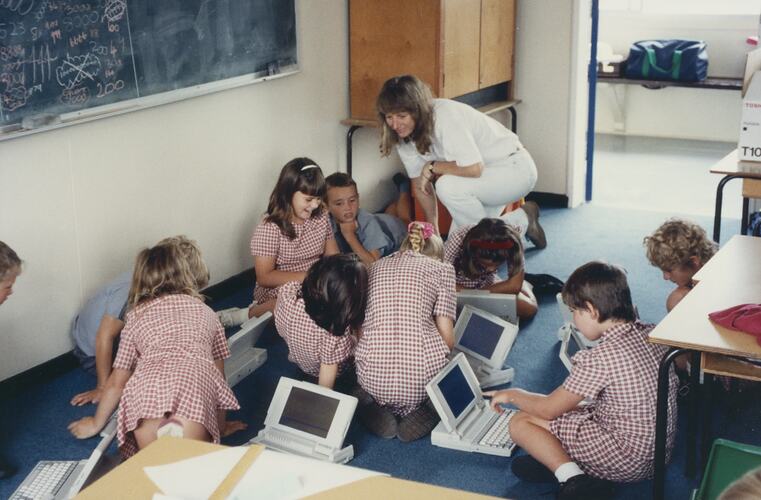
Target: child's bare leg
257 310
527 304
533 435
401 208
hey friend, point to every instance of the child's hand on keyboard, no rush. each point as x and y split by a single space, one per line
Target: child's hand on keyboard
84 428
498 398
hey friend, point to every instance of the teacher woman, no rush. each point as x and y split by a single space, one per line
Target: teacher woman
469 160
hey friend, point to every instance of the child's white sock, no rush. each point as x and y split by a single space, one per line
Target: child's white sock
566 471
233 317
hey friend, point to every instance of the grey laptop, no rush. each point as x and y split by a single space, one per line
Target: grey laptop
62 479
309 420
504 305
244 357
467 421
486 340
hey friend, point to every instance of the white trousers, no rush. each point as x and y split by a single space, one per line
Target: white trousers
470 199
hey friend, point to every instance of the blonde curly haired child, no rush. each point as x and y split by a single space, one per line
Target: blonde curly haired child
679 248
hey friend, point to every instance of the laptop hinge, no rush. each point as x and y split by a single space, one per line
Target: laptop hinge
323 450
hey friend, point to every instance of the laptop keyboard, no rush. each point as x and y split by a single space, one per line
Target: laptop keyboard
45 480
289 443
498 436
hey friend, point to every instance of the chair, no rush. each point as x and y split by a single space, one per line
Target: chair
727 462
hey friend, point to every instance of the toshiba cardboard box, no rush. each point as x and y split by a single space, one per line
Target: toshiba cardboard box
749 145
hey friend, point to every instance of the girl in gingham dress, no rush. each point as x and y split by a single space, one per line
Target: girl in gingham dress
169 367
406 337
613 438
477 250
292 236
321 318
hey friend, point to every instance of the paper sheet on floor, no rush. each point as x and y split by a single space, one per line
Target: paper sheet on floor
279 476
197 477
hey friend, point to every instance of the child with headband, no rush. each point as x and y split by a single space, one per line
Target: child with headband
292 236
406 337
477 250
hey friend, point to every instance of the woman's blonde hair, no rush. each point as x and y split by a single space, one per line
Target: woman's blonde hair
675 242
173 266
432 246
748 487
10 264
408 94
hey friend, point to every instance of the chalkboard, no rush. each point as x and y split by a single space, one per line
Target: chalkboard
58 57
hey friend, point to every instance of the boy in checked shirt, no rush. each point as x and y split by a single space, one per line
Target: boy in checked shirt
586 448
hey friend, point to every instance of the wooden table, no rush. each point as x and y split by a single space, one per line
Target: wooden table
128 481
731 168
731 277
355 124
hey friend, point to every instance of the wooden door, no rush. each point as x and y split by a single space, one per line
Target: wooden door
460 47
497 41
390 38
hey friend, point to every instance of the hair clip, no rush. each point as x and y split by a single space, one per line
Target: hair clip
307 167
493 245
427 228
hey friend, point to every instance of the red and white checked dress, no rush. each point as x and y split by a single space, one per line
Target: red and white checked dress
400 349
452 252
295 255
309 346
614 438
170 343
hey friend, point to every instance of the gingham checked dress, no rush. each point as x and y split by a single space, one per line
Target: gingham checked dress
452 251
170 343
309 346
614 438
295 255
400 349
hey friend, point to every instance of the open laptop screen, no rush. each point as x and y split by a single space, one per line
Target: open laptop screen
309 412
481 335
456 391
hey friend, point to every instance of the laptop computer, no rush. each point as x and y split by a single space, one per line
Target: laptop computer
504 305
309 420
62 479
467 421
485 339
244 357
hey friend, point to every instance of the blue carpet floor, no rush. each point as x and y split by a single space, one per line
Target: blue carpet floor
33 425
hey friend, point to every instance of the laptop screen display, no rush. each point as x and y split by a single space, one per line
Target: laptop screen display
456 391
481 335
309 412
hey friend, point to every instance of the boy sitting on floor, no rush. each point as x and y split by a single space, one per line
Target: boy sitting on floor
370 236
612 439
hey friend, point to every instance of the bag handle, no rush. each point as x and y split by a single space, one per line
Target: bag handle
650 62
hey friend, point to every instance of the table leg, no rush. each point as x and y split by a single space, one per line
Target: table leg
661 421
706 433
717 212
694 397
744 220
349 136
513 119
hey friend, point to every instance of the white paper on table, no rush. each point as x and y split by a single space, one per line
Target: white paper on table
275 475
197 477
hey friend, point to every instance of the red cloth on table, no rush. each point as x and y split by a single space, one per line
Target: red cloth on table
743 318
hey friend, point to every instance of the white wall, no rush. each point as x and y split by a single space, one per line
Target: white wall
79 202
675 112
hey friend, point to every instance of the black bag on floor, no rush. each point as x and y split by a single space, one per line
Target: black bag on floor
672 60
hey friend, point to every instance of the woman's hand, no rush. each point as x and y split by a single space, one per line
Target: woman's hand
426 183
84 428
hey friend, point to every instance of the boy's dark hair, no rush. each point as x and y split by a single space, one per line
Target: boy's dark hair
340 180
493 240
9 261
335 293
603 286
294 177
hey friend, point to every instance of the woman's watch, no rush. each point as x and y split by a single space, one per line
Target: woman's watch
430 169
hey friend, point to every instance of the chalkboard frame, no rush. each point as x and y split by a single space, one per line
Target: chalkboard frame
13 131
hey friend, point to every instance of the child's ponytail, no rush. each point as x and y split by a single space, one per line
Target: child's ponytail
421 238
